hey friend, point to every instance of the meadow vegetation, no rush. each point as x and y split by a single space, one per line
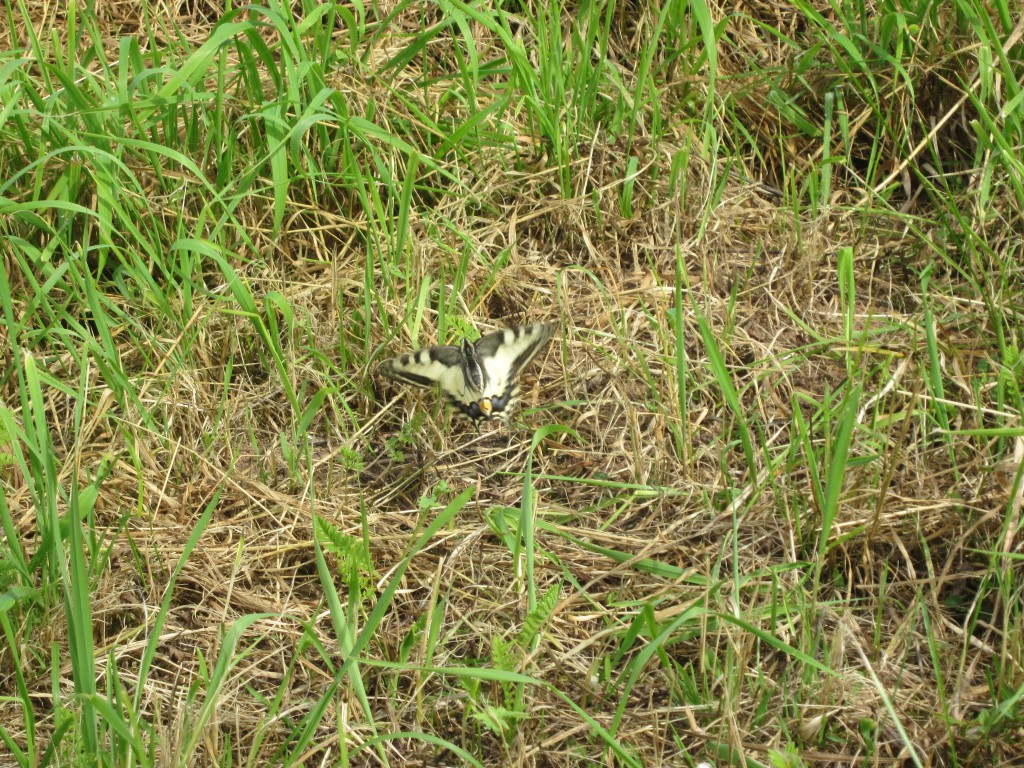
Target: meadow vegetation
761 503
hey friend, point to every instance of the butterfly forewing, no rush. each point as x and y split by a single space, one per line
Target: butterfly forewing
424 367
433 365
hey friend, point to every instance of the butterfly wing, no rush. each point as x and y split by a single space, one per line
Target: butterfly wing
504 354
434 365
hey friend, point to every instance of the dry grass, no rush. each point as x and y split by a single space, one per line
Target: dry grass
649 518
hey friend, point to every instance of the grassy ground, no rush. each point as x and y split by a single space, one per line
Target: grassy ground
761 505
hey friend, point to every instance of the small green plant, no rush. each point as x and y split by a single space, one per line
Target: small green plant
786 758
506 656
352 553
397 444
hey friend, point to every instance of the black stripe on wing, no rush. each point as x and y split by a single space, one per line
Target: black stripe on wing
425 366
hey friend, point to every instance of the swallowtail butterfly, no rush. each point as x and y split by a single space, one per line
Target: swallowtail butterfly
481 379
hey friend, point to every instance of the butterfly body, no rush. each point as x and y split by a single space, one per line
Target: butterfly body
482 378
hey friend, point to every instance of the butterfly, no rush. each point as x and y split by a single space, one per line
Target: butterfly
481 379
